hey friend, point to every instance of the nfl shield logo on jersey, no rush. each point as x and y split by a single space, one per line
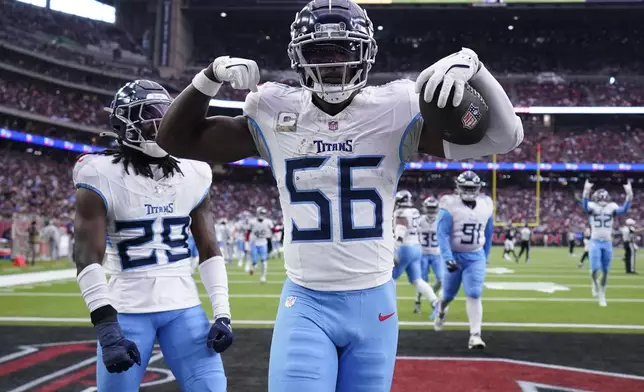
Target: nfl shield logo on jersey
290 301
333 125
471 117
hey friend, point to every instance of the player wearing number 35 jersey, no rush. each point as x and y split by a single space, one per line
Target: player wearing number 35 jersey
601 212
337 148
465 228
135 209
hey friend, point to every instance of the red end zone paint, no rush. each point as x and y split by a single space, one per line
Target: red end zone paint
499 375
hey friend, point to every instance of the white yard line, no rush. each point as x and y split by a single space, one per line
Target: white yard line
63 320
36 277
275 296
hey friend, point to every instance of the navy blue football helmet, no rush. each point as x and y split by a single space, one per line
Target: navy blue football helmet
468 185
403 199
332 48
135 114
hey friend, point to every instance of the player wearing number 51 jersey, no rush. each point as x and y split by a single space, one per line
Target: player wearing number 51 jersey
465 228
601 212
135 209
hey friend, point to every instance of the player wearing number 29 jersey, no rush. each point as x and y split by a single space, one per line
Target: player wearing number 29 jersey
465 228
136 207
601 212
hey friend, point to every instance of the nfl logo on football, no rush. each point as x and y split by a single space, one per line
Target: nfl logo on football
333 125
290 301
471 117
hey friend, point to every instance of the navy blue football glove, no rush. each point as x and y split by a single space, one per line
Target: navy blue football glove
452 266
119 354
221 335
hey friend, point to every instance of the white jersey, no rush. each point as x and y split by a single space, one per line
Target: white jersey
148 224
261 231
428 237
586 244
412 216
219 232
525 234
241 228
601 220
468 224
336 177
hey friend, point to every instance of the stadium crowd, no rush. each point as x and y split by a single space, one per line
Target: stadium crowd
39 183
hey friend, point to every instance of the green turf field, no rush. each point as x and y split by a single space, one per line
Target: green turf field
550 290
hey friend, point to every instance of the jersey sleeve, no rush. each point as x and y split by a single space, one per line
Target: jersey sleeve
203 179
444 233
254 110
411 136
86 175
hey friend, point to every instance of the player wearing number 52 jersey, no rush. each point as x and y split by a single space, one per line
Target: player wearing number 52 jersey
337 148
465 228
601 213
135 209
408 250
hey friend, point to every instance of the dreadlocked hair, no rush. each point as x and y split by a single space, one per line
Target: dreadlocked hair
141 162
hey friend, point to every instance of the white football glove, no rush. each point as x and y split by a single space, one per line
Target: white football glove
628 188
588 186
453 71
242 74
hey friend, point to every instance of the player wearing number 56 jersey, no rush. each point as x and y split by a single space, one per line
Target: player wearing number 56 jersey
337 148
465 227
135 209
601 213
431 258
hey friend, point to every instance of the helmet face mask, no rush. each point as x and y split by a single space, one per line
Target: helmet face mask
430 206
601 197
468 185
332 48
403 199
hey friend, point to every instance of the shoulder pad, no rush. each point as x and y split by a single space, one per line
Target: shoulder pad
202 169
267 91
446 201
89 167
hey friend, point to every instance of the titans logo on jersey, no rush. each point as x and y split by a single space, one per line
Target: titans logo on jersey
335 175
148 225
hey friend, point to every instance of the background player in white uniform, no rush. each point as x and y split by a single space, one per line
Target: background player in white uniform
408 250
337 150
226 245
261 229
219 234
431 252
601 213
465 228
135 208
241 229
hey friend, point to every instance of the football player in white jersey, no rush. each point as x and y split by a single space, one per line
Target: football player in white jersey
408 250
431 252
135 209
465 228
261 229
241 230
601 213
337 149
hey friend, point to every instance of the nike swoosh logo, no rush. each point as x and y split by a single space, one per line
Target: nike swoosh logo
385 317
